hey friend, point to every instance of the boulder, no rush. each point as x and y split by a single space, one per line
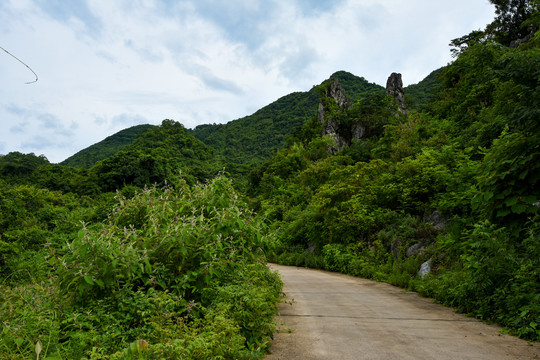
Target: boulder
437 221
425 268
415 249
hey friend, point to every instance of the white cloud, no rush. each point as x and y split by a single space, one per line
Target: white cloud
105 65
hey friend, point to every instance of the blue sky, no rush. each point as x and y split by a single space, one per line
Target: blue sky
105 65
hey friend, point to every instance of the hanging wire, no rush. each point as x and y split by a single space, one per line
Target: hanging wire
19 60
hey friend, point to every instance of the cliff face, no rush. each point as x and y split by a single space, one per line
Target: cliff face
394 88
336 103
334 106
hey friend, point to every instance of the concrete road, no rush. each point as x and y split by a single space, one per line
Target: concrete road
334 316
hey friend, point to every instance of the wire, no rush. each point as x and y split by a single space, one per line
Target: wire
19 60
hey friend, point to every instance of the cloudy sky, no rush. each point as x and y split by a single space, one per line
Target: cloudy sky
105 65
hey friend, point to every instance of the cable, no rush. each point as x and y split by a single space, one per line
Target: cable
19 60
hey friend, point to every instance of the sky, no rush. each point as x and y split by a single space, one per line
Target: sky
106 65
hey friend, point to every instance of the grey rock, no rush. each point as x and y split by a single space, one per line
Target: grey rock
394 248
437 221
331 126
336 92
415 249
394 88
425 268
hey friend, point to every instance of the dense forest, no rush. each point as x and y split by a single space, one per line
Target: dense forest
153 242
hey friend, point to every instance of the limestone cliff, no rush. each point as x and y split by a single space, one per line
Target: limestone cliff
334 103
334 112
394 88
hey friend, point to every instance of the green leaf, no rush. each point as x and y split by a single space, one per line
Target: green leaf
503 212
523 174
19 341
511 201
530 199
88 279
519 208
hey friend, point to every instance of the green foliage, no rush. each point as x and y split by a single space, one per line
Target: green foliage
417 96
161 155
244 143
89 156
17 169
32 220
172 273
508 183
456 184
15 164
357 88
250 140
511 23
161 238
177 270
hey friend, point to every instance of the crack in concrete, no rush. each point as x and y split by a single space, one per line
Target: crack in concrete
374 317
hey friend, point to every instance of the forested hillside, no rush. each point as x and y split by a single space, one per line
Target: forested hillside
132 258
244 142
88 157
419 95
444 201
143 248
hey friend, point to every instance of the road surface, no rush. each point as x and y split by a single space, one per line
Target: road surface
334 316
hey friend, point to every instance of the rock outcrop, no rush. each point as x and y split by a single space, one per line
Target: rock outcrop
332 127
334 102
425 268
394 88
415 249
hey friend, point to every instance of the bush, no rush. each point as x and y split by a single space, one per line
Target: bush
172 273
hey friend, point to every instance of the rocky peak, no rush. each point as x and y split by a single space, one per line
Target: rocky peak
394 88
331 125
336 92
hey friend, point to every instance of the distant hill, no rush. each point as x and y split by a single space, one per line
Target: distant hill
161 154
254 138
243 142
420 94
86 158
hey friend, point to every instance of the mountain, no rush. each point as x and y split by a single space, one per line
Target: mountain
420 94
86 158
243 142
252 139
160 155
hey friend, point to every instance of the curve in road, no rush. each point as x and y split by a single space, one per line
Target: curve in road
334 316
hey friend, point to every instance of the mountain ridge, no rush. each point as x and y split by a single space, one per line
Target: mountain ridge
256 136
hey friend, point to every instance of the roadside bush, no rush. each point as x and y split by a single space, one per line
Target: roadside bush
173 273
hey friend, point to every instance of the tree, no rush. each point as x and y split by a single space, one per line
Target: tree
511 24
515 23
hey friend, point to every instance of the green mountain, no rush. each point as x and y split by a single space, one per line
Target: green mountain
161 154
86 158
252 139
443 199
419 95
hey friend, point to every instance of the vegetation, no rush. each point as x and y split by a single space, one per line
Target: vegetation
245 142
88 157
161 155
171 273
151 252
417 96
454 186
